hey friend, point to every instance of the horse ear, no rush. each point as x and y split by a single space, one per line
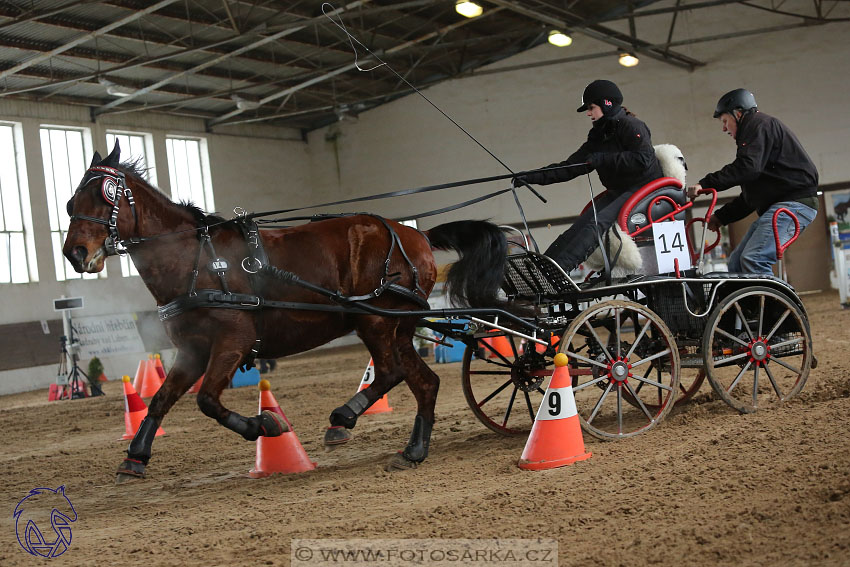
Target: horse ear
96 159
113 158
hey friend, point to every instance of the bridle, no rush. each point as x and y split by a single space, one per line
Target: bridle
112 189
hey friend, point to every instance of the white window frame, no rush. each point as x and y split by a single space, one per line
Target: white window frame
14 186
60 180
189 171
134 145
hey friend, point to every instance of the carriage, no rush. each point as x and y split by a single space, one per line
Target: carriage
641 343
228 292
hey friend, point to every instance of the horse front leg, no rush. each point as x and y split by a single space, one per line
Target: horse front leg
220 369
186 370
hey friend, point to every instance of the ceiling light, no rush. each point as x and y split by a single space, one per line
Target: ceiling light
559 38
628 60
243 104
115 89
468 9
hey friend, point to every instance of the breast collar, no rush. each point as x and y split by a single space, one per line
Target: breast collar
112 189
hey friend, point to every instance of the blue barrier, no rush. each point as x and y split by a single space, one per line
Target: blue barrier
249 378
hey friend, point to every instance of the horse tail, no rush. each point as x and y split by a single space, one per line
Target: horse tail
475 279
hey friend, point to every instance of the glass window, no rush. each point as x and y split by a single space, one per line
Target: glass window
17 248
135 146
189 170
63 151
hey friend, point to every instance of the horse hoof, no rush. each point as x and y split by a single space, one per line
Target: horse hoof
122 478
272 424
399 462
130 469
335 436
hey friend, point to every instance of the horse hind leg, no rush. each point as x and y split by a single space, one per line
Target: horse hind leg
424 384
388 373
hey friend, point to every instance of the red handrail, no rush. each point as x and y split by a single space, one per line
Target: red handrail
704 220
781 248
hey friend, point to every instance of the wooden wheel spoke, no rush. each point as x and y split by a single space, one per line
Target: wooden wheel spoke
779 322
639 337
598 405
639 401
738 377
779 361
528 404
729 360
587 360
598 341
495 393
733 337
744 320
773 382
653 383
652 357
510 406
580 387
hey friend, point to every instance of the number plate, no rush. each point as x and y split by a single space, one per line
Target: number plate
671 244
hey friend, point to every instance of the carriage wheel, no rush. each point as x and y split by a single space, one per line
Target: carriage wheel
757 348
619 350
690 381
504 389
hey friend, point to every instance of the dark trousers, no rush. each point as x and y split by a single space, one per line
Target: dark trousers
576 244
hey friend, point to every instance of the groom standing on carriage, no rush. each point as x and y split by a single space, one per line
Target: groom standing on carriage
619 148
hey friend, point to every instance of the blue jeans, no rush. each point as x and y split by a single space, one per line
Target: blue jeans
756 254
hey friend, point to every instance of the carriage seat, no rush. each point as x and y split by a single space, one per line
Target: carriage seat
661 199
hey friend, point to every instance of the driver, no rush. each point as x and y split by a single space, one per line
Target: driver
619 148
773 171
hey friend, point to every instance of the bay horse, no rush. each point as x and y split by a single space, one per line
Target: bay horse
220 309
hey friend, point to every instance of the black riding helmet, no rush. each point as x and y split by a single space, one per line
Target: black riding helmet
598 91
739 99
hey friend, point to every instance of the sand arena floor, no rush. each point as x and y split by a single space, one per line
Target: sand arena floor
706 487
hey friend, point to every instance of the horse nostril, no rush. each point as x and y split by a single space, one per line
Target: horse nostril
79 254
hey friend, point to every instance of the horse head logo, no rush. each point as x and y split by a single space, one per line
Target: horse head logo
43 522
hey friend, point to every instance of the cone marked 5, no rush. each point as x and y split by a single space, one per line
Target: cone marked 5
381 405
555 439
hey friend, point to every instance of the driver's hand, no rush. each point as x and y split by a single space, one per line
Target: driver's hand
692 191
714 223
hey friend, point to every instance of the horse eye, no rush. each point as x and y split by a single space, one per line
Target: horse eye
70 206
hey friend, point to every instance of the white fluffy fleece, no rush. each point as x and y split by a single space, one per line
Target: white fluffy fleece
630 262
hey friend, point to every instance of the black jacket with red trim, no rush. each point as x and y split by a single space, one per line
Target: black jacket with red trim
618 147
770 166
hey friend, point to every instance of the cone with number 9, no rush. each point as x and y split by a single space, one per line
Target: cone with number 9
555 439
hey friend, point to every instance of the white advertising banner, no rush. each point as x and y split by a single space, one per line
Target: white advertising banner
106 335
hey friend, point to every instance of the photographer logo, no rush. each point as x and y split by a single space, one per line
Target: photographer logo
43 521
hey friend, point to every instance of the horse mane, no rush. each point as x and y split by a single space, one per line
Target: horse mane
135 168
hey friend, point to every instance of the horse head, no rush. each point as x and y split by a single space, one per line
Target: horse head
96 213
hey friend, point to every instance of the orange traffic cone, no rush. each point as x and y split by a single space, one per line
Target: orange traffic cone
160 370
555 439
501 345
150 381
281 454
135 411
196 387
380 406
102 377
